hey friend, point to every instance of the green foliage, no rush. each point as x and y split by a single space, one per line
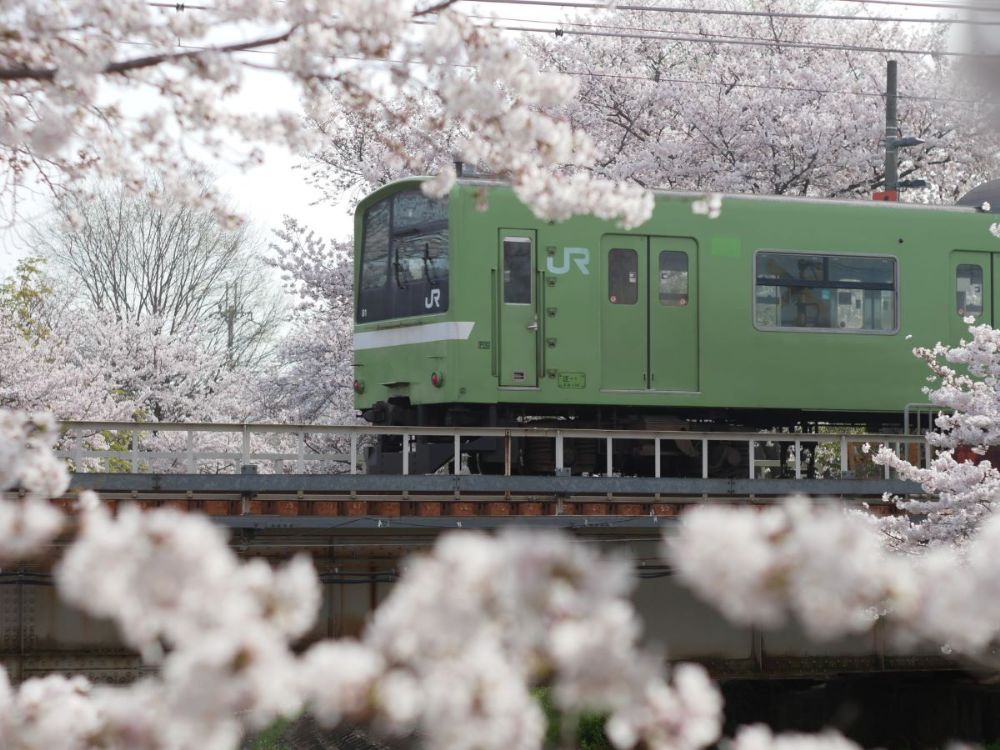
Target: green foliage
22 296
271 738
589 734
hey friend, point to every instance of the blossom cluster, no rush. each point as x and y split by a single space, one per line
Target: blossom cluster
962 484
72 70
27 466
496 616
829 568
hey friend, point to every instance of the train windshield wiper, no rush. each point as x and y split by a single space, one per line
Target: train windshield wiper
427 265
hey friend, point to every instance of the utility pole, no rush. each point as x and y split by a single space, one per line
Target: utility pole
893 143
891 134
229 311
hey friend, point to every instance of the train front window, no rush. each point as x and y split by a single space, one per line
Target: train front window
846 293
404 264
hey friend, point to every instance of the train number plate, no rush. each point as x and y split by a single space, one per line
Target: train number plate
572 380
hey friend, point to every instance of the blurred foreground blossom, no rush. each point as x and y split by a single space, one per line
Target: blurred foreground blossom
828 567
473 626
759 737
28 522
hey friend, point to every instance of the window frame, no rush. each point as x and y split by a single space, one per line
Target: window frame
813 329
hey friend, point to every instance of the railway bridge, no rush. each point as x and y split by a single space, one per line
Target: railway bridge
283 489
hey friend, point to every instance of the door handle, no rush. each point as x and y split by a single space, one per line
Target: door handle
533 325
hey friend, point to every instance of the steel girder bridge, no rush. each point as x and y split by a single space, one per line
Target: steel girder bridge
284 489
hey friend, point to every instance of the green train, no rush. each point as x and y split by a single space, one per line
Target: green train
778 313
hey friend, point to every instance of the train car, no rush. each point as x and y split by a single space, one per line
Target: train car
777 313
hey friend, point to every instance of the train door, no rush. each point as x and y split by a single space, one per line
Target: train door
624 313
649 314
518 319
972 275
673 314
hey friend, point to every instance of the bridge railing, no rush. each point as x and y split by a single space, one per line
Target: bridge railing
183 447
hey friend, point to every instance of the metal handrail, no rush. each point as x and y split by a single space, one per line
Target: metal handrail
190 457
571 432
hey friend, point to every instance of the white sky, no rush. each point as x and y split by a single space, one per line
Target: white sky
275 189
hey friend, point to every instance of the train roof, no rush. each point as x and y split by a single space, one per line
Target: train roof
964 207
971 203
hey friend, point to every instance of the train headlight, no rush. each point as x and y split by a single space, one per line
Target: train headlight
359 386
437 379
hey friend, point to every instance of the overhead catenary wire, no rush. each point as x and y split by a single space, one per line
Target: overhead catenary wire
559 30
702 11
926 4
700 39
625 77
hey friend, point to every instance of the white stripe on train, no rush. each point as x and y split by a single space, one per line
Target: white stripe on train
418 334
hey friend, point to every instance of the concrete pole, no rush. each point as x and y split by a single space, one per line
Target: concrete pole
891 132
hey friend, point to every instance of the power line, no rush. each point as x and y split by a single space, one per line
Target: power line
830 46
942 5
625 77
556 31
739 13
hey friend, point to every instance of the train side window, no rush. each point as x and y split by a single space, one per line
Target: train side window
824 292
969 290
673 278
623 276
516 271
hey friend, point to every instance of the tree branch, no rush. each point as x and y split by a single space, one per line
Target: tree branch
148 61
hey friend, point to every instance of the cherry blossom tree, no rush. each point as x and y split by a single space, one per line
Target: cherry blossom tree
780 117
140 258
74 79
313 383
961 481
774 116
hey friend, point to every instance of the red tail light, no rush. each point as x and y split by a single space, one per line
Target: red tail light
437 379
359 387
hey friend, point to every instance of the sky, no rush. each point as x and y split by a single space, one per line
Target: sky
278 187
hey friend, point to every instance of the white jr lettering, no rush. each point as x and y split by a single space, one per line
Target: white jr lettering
578 255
